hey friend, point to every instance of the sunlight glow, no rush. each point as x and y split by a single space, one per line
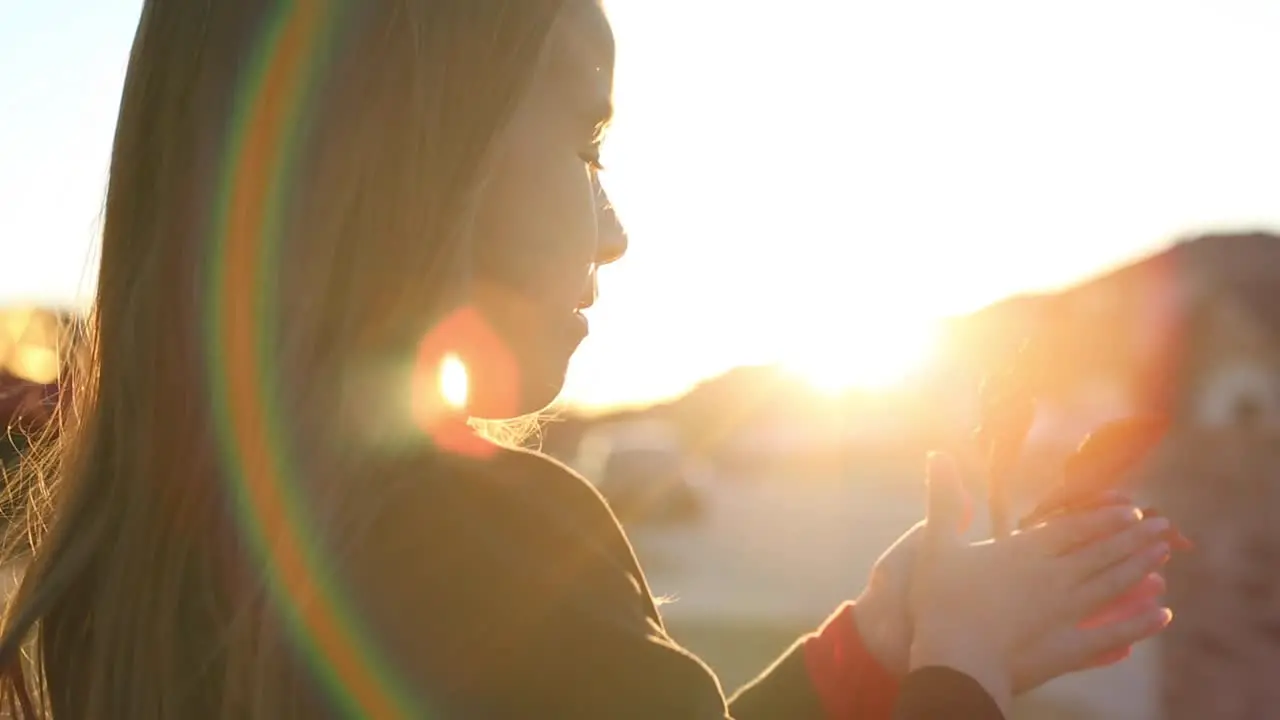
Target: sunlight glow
454 385
762 190
28 344
868 360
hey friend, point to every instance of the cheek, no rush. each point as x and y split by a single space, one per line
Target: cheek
536 227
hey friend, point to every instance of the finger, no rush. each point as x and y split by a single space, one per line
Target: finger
1109 658
1072 649
1066 502
947 506
1096 500
1069 499
1176 538
1063 534
1137 599
1093 644
1110 584
1094 557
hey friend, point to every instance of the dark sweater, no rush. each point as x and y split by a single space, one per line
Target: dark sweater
504 588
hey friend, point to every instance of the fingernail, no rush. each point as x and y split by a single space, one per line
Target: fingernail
1164 616
1157 584
1158 553
1156 525
1129 515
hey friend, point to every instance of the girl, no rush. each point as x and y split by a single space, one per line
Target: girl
266 507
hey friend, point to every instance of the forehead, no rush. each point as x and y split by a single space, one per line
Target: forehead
580 49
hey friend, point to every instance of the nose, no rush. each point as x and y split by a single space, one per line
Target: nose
611 244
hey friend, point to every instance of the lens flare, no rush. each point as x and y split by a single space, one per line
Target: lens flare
453 382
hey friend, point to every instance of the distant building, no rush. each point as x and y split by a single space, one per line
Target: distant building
1220 477
1231 359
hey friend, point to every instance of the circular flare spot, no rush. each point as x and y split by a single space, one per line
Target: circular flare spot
454 383
462 364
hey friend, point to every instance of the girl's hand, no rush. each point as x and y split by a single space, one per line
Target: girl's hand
1009 613
884 619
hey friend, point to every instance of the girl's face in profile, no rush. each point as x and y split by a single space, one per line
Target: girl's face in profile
544 223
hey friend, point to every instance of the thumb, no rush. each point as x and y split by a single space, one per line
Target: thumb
947 511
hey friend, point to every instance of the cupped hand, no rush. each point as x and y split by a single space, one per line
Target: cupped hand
1122 598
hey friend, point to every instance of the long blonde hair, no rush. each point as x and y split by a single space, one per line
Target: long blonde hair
287 210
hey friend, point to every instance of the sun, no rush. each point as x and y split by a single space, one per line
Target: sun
868 359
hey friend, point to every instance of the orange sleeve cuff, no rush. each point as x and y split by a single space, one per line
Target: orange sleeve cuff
850 682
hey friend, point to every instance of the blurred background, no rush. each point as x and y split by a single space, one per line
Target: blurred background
843 216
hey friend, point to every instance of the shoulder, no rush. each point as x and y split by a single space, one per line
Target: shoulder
503 580
552 504
524 501
494 479
535 479
484 536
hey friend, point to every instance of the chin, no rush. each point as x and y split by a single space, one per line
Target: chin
519 367
499 398
531 401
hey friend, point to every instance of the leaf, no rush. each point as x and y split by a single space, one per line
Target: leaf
1108 454
1093 473
1102 462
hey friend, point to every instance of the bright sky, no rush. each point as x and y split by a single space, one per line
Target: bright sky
813 185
